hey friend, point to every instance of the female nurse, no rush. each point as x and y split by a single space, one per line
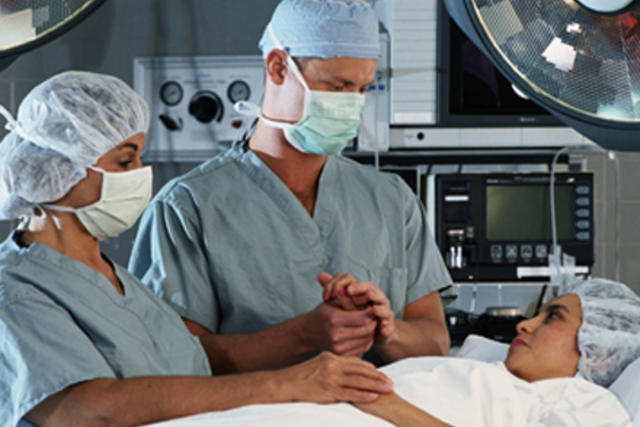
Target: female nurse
83 342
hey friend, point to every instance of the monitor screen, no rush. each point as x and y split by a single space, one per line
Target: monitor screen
479 87
472 92
521 213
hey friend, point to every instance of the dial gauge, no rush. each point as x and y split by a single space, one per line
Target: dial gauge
171 93
239 90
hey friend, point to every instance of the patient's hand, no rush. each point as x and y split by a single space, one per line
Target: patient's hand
329 378
335 292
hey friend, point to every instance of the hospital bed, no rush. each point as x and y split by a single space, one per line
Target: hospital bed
626 388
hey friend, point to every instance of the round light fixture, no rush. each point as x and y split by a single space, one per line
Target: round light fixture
28 24
578 59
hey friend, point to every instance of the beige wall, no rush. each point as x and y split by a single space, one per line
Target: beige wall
605 216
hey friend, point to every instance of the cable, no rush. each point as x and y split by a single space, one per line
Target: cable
540 299
376 136
554 231
616 165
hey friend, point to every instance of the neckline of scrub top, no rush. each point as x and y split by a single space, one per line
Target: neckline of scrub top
62 261
312 228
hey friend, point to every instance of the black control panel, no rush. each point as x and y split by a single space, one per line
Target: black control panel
499 226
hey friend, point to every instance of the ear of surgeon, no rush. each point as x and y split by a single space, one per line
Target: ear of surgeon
546 345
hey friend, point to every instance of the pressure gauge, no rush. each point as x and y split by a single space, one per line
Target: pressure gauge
171 93
239 90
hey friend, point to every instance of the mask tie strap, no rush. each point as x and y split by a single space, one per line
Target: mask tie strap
12 124
60 208
252 110
247 108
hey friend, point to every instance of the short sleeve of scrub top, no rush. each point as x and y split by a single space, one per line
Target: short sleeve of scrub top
171 230
43 352
61 323
425 266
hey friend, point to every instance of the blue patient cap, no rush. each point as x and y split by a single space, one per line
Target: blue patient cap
324 29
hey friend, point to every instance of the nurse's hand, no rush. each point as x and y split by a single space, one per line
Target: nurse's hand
381 308
329 378
347 333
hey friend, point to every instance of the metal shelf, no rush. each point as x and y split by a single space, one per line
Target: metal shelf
460 156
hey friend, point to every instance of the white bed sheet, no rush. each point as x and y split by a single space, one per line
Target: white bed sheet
497 401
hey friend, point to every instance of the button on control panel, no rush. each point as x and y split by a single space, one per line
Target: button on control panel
526 252
583 235
582 213
583 201
511 252
583 224
583 190
496 253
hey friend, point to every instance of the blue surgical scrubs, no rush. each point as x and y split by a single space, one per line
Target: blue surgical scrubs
62 323
230 247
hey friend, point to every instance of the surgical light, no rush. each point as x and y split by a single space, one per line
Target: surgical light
579 59
25 24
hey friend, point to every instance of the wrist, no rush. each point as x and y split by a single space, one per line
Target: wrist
301 328
280 386
287 386
390 341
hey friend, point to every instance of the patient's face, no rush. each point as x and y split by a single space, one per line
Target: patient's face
547 344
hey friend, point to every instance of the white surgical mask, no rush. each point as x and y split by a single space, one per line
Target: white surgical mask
329 120
124 196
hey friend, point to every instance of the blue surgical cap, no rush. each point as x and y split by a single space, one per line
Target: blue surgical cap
324 29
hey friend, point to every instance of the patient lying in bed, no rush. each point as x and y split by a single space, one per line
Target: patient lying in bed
555 374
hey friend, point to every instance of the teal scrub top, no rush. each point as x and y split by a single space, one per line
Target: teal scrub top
62 323
230 247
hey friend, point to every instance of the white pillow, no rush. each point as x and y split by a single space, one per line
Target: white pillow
626 387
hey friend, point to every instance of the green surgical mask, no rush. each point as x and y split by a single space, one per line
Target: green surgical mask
330 120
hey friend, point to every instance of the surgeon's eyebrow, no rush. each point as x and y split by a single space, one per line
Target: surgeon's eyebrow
349 82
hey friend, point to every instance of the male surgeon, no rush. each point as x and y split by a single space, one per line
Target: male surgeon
242 245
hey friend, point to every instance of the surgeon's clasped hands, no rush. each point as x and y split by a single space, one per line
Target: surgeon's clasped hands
345 292
347 333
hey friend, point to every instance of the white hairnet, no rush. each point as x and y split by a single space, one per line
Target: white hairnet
324 29
609 336
64 125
